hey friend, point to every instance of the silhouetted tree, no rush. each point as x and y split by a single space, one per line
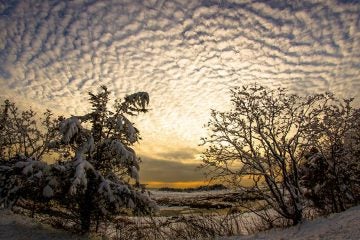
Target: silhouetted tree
263 139
21 134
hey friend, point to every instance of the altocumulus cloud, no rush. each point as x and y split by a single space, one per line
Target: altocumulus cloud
185 53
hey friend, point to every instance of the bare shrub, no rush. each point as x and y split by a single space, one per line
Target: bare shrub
180 227
262 139
263 143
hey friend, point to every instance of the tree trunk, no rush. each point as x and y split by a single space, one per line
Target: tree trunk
297 217
85 212
86 206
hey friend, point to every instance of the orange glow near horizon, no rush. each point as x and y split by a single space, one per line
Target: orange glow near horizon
154 184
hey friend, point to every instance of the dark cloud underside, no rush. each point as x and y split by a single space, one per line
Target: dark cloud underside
169 171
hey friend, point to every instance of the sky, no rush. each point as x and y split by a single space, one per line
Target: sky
186 54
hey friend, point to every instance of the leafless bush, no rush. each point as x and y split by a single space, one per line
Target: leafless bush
195 226
263 144
180 227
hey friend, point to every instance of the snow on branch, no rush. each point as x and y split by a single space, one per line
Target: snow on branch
80 178
30 166
131 131
69 128
135 173
99 144
48 191
139 99
86 147
117 148
117 122
104 188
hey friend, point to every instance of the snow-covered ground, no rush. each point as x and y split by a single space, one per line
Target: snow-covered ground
345 225
173 203
17 227
339 226
156 194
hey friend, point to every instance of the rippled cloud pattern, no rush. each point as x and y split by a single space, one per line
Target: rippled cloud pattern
185 53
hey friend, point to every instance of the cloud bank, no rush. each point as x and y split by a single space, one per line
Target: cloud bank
185 53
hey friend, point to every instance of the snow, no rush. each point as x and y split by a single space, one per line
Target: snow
48 191
88 146
105 185
337 226
29 166
119 149
80 175
119 124
135 173
131 203
159 194
69 127
131 131
17 227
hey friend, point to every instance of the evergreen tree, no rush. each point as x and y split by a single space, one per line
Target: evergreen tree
101 177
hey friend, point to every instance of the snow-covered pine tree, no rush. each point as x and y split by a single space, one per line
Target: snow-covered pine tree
101 177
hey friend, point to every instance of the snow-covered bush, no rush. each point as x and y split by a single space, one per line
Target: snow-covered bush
266 137
330 172
260 142
101 178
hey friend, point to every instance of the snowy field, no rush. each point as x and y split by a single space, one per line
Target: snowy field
17 227
179 203
339 226
157 194
334 227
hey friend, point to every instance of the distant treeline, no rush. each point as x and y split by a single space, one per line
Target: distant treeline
200 188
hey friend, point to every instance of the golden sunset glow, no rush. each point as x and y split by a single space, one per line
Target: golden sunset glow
185 54
193 184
